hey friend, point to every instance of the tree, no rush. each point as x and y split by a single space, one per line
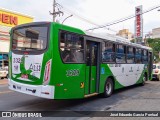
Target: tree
155 45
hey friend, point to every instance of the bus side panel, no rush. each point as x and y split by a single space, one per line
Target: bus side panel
140 79
68 79
105 73
67 85
123 74
86 81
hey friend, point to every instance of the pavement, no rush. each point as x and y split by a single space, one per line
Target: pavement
3 81
134 98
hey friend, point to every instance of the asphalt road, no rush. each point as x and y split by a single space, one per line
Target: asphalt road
135 98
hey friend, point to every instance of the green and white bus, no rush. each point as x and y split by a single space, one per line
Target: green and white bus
55 61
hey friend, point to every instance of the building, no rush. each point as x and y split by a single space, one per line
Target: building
156 33
125 33
9 19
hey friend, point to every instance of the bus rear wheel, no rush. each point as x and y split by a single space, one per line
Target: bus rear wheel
108 88
144 79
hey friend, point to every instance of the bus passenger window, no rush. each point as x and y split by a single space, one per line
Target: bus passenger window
130 55
145 56
108 52
71 48
120 54
138 55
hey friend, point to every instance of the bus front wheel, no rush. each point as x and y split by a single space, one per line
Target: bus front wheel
108 88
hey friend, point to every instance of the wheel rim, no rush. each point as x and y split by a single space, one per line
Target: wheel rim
144 79
108 88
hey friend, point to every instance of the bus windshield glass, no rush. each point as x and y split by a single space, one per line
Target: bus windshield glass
30 38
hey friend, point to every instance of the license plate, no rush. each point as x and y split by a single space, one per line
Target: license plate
24 76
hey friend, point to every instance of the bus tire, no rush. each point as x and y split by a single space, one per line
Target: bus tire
108 88
144 80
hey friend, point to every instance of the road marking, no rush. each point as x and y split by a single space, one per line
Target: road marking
6 92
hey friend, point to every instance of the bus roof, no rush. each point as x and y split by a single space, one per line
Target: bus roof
114 38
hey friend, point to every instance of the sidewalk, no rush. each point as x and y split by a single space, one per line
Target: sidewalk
3 81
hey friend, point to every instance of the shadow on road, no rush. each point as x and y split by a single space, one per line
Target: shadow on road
95 103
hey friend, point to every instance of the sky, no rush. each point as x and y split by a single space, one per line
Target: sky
99 12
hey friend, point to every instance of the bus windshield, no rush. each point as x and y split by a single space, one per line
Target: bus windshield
30 38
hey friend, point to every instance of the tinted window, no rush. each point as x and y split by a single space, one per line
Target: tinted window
71 47
108 52
3 63
138 55
120 54
3 56
91 53
30 38
3 60
120 49
145 56
130 55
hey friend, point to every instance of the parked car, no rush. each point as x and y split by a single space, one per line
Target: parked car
3 72
156 71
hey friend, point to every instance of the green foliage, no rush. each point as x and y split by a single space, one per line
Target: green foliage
155 45
133 40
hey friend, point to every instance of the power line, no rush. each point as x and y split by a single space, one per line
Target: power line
79 16
99 26
123 19
84 19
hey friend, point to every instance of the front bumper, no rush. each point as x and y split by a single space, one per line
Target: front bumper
44 91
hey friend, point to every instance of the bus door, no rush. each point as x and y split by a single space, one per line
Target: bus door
92 67
150 64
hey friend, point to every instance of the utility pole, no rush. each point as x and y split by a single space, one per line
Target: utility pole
55 13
